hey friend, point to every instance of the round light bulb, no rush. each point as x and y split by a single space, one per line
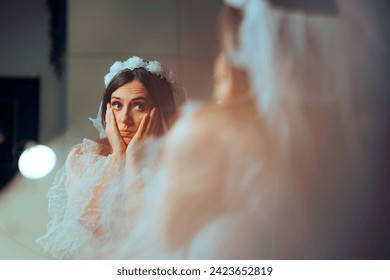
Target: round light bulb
37 161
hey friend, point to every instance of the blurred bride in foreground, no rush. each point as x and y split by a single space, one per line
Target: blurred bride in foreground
288 162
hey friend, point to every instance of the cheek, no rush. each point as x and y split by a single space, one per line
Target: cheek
138 118
119 117
116 114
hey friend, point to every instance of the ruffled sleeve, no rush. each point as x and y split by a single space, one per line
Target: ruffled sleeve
70 194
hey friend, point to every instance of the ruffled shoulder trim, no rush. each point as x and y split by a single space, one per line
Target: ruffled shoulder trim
98 147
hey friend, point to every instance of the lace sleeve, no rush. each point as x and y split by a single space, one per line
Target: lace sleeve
68 197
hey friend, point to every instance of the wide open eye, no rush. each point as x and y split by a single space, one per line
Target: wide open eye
139 106
116 105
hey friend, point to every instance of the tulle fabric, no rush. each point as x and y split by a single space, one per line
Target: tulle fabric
69 196
78 231
70 233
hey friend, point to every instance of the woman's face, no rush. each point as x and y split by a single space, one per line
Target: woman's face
130 103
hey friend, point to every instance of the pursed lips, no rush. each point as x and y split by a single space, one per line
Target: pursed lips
127 133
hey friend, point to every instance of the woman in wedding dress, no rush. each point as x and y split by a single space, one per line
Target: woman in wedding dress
139 102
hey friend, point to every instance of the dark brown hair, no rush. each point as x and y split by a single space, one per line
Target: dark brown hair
159 89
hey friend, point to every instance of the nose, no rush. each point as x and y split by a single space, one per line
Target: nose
125 119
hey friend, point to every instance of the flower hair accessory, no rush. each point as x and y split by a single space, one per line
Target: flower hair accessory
136 62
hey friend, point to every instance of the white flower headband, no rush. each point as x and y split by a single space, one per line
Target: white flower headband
136 62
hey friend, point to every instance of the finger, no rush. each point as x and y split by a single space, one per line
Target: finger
156 123
114 124
114 137
151 122
107 118
108 128
130 156
142 127
113 120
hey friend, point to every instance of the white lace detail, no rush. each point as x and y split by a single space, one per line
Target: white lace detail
69 233
72 190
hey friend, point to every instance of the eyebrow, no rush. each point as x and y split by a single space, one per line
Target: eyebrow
134 99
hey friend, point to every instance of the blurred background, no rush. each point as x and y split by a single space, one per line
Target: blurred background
53 57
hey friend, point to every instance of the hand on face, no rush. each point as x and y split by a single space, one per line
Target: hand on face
148 126
118 145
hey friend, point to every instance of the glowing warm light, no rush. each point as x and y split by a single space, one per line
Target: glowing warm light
37 161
